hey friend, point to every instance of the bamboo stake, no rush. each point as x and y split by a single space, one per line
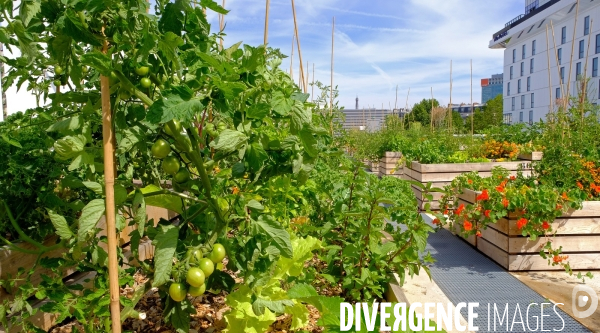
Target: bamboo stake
108 137
571 62
307 76
312 95
298 41
332 44
450 107
472 107
267 23
300 79
292 59
431 116
549 73
4 102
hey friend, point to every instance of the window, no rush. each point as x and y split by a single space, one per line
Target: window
532 99
533 48
528 83
586 25
519 86
522 68
595 67
562 75
563 35
508 118
531 66
514 55
559 55
581 48
557 93
513 104
523 52
597 43
521 116
578 71
530 117
511 72
522 102
508 89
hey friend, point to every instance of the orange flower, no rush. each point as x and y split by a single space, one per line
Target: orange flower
513 177
500 188
487 213
460 209
470 181
235 190
478 234
558 206
564 196
521 223
467 225
580 185
545 225
483 196
505 202
446 212
436 221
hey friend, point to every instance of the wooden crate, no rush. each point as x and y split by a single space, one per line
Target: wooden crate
577 231
440 175
388 165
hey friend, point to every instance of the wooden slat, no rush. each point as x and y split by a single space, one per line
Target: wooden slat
419 194
589 243
560 226
389 154
471 239
533 156
533 262
499 239
449 176
493 252
465 167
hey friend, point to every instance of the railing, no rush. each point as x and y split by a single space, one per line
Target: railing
523 17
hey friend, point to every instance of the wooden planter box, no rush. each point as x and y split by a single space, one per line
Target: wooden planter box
441 175
388 165
533 156
577 231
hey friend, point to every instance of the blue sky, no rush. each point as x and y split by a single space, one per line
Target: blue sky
378 45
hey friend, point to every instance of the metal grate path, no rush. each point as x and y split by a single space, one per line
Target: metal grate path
465 275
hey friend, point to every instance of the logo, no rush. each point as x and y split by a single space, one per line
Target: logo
582 297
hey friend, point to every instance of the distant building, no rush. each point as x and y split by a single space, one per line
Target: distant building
491 87
533 87
465 109
369 119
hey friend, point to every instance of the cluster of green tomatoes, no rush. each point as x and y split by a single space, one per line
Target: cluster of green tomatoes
196 276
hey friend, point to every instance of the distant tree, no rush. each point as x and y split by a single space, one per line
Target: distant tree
458 123
421 112
491 115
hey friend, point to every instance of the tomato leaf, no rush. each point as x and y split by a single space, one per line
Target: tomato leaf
179 314
165 244
309 141
258 111
68 124
267 225
97 60
97 188
167 201
171 107
60 224
212 5
278 306
257 156
69 147
281 104
302 290
90 215
29 9
72 26
229 141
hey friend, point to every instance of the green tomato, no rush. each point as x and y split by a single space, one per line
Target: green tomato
171 165
58 70
167 128
197 291
183 143
177 292
125 94
218 253
207 266
195 255
221 126
113 79
142 71
145 82
84 69
195 277
57 83
209 127
161 149
182 176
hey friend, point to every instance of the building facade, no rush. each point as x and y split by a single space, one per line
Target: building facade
491 87
537 72
466 110
368 119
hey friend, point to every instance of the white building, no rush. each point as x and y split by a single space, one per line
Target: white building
527 92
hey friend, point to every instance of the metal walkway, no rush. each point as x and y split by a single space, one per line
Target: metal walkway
466 275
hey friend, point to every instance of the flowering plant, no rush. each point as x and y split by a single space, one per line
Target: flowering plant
535 206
